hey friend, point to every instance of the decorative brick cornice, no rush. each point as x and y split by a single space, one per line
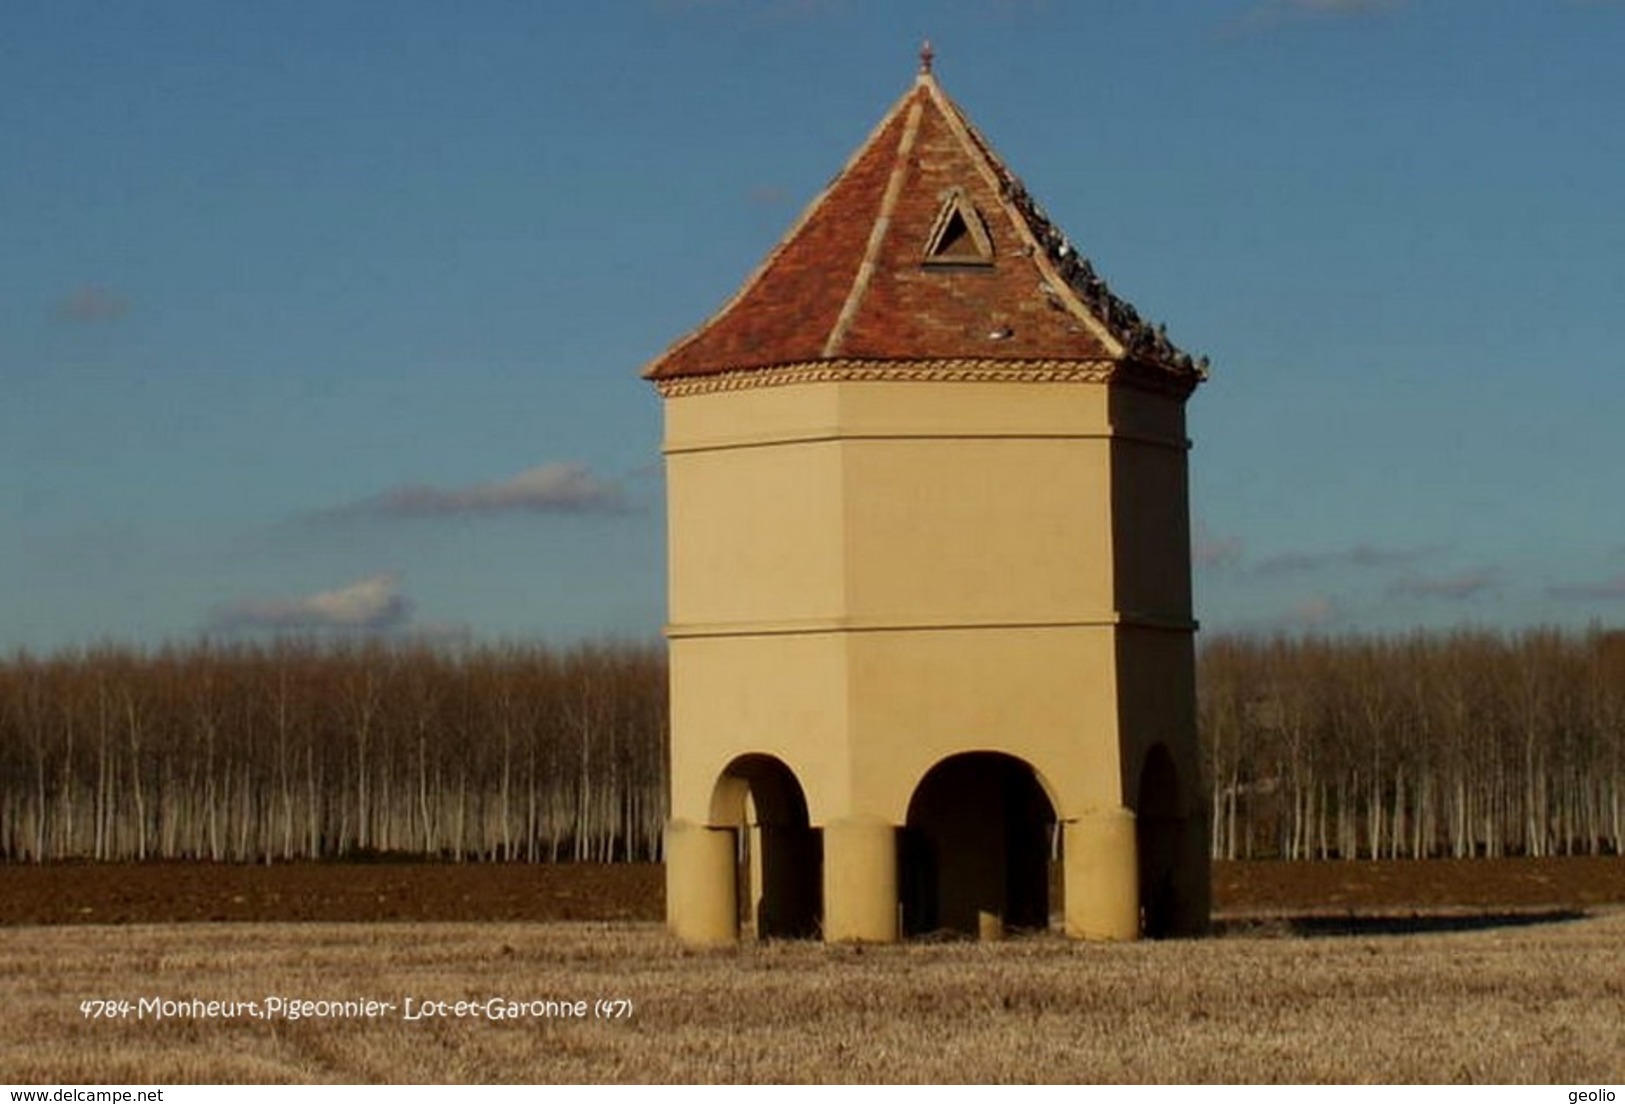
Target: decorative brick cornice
928 371
909 371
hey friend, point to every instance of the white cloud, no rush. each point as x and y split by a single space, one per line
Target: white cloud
560 488
374 604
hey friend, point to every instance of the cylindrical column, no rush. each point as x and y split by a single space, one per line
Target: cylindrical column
702 902
1102 876
860 881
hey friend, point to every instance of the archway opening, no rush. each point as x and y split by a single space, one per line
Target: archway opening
780 854
976 848
1159 827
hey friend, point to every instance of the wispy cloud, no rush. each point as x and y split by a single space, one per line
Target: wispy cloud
1604 590
1292 563
1361 555
1210 550
90 304
1458 587
557 488
374 604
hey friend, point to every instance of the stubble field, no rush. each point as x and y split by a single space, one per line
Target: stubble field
1523 982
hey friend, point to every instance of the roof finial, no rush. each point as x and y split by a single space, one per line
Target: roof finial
926 56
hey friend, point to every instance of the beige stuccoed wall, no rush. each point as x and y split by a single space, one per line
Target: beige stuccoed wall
977 531
1045 696
756 535
836 505
869 577
781 695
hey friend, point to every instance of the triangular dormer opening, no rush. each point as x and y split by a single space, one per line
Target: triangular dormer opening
958 236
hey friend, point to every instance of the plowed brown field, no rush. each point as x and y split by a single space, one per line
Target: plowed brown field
90 893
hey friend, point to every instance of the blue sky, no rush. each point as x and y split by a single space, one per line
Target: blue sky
329 315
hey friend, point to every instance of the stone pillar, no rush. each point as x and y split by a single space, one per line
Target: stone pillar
860 881
702 896
1102 876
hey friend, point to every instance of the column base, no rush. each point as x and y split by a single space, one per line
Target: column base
702 895
1102 876
860 881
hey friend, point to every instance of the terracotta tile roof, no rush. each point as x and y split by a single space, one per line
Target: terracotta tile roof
924 247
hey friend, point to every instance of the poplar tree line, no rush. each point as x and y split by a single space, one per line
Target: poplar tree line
1459 745
300 751
1469 744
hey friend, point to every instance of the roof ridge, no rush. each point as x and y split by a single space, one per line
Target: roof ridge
1081 287
1005 184
844 280
877 232
788 237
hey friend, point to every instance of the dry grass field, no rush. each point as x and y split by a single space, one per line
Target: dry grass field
1504 999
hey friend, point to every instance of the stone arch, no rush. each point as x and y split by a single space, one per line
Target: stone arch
1160 825
779 853
974 852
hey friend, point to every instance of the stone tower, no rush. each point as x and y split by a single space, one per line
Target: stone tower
930 602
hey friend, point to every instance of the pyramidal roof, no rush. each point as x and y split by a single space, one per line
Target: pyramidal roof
925 247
